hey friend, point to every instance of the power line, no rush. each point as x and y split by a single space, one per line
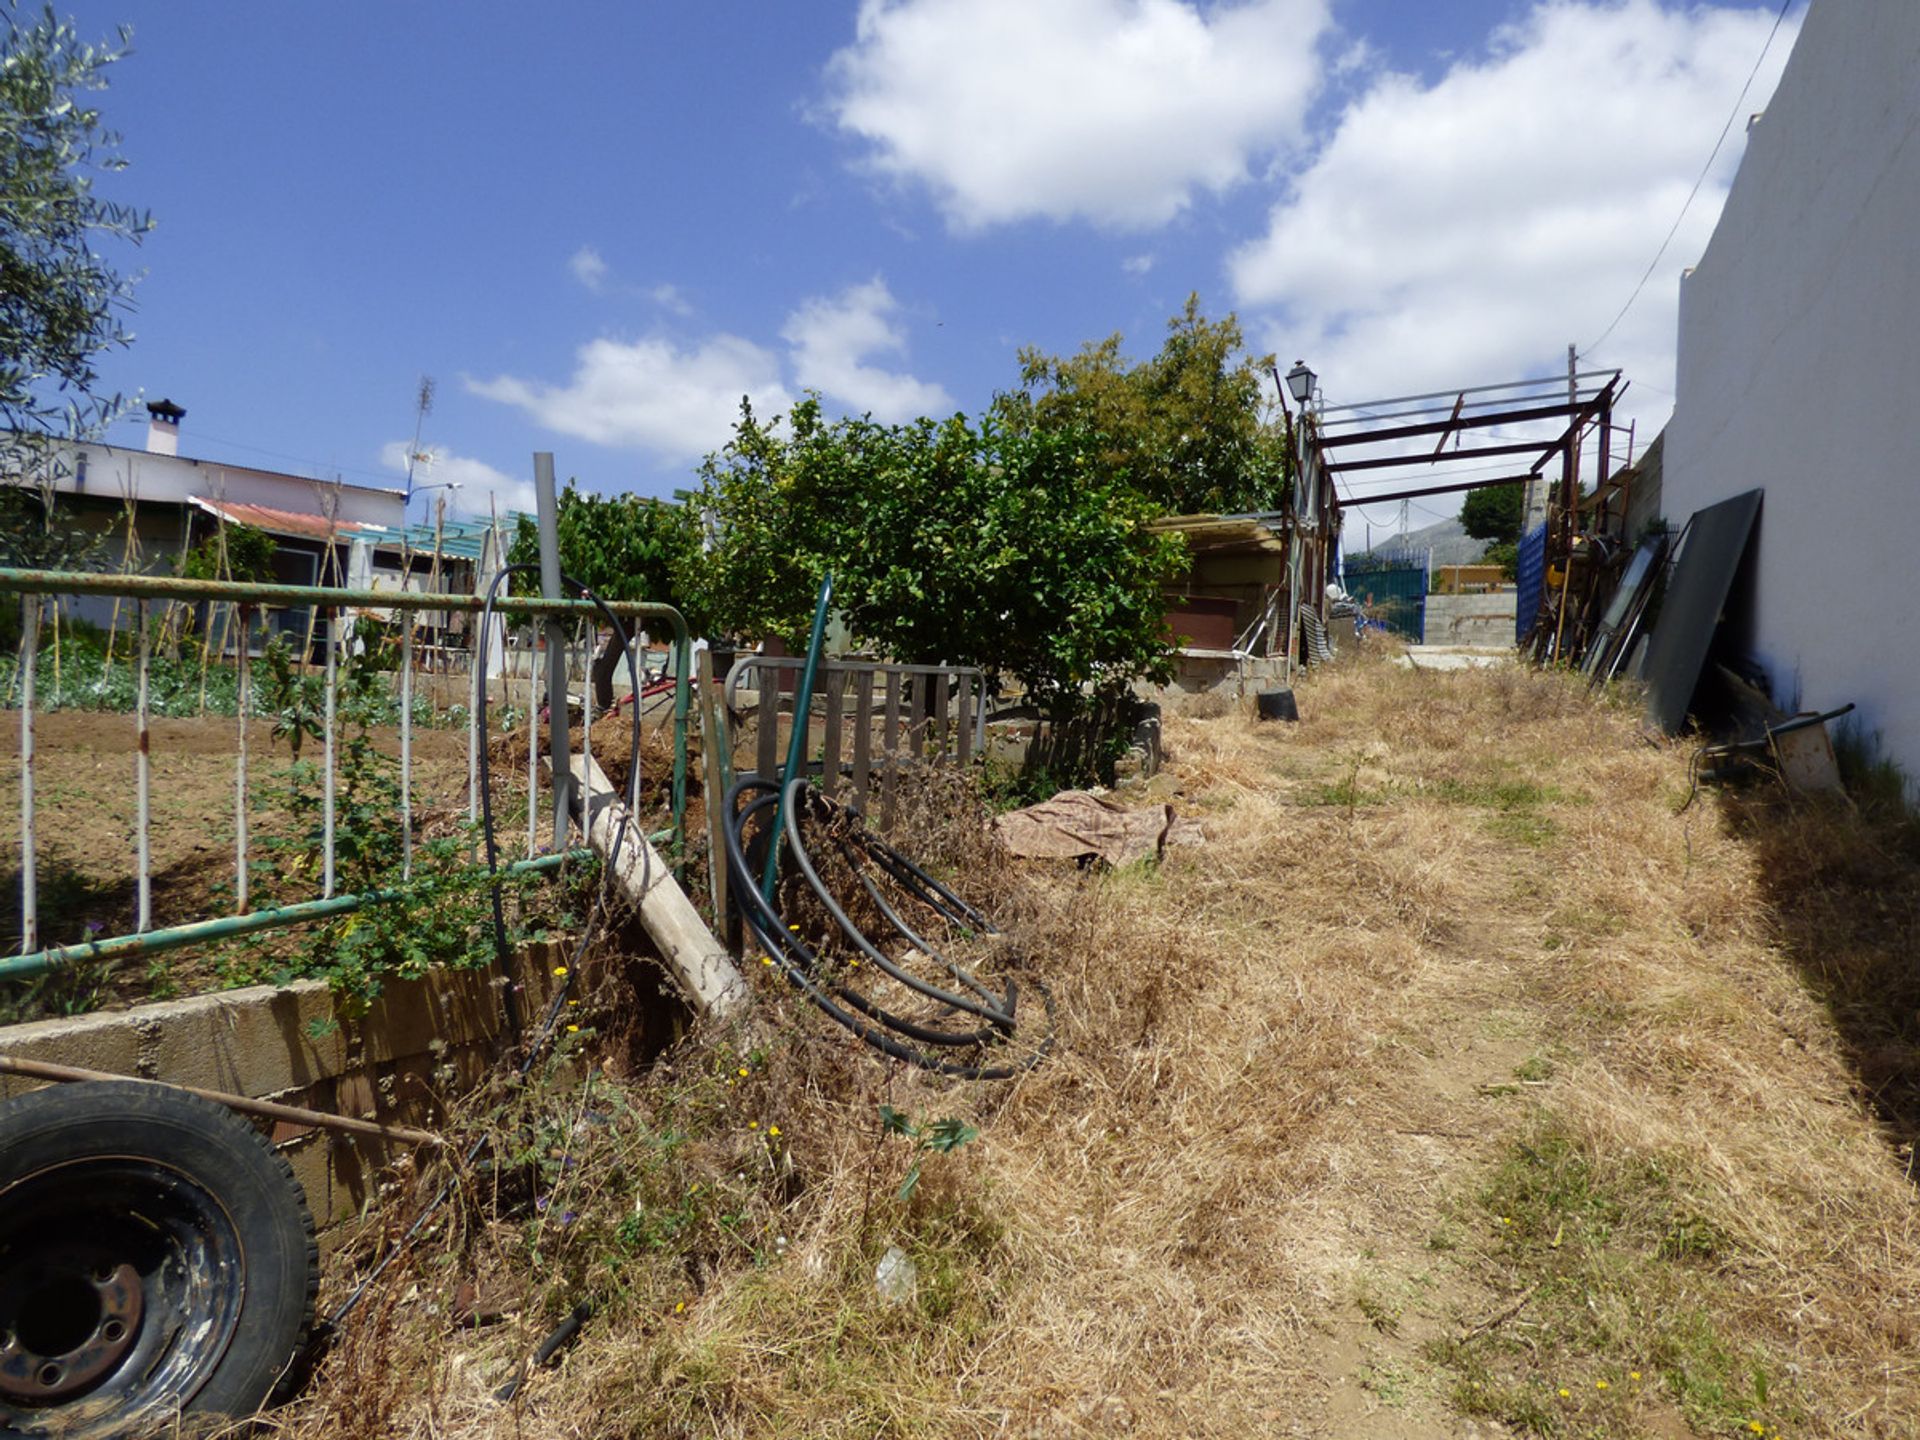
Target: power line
1725 130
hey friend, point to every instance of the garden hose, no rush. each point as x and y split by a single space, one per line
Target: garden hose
927 1044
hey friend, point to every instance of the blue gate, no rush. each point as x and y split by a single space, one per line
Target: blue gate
1530 579
1392 591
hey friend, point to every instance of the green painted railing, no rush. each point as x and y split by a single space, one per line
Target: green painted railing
228 927
32 584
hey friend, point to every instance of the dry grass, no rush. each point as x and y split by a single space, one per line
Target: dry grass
1454 1007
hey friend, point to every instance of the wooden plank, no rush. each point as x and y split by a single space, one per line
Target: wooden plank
964 725
834 679
862 735
937 688
890 748
916 715
767 756
694 956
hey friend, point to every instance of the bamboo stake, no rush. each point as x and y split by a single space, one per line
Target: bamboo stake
240 769
142 772
56 654
29 877
406 748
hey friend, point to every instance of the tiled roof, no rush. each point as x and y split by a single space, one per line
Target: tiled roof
300 524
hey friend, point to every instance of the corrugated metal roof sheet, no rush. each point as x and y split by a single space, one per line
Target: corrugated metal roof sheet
459 539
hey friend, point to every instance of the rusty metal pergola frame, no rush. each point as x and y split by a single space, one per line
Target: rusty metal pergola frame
1543 419
1350 446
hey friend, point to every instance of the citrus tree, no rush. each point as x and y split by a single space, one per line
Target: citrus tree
621 547
1190 428
1016 549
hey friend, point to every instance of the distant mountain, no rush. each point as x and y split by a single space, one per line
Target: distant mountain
1451 545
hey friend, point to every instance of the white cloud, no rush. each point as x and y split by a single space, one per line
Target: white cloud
669 298
1137 264
588 268
1468 230
1115 111
650 394
473 481
832 338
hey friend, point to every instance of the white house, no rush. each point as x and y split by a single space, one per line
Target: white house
166 502
1797 376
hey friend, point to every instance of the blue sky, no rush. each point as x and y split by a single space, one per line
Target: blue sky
597 225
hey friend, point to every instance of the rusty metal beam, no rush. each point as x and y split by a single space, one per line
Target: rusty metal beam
1453 489
1383 462
1559 409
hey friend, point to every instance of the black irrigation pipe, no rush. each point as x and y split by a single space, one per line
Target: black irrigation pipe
550 1021
874 1024
802 965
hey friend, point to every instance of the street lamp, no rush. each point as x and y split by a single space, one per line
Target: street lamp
441 503
1300 383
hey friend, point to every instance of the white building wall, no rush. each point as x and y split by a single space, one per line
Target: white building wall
113 471
1799 371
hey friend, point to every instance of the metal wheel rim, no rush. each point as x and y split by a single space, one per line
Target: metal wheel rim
93 1225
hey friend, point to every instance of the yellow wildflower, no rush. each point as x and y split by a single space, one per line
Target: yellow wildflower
773 1129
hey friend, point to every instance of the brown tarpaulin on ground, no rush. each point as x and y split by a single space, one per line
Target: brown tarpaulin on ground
1074 825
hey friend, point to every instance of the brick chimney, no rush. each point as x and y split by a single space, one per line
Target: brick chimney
163 427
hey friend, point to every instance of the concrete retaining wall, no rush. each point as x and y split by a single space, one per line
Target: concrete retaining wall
422 1043
1471 619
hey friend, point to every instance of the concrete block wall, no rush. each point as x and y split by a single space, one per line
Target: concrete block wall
422 1044
1471 619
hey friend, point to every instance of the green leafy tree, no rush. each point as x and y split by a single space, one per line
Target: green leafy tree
785 501
233 552
1015 549
622 547
1505 554
1494 512
1190 428
34 533
61 300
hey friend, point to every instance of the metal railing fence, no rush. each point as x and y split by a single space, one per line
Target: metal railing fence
144 590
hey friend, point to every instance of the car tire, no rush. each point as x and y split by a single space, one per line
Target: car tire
157 1261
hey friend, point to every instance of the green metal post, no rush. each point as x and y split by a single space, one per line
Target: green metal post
797 744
